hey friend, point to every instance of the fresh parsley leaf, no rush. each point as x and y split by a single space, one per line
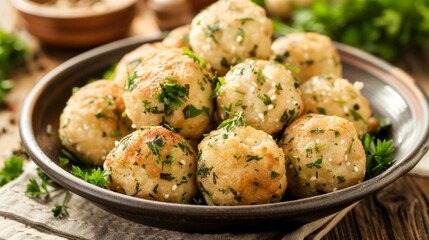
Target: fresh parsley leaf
172 95
383 28
218 82
12 169
379 155
73 158
190 111
12 54
190 53
110 72
95 176
60 211
230 124
315 163
33 189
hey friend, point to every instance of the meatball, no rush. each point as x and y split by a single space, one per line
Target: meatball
133 59
312 54
323 154
173 90
331 95
92 121
177 38
153 163
284 8
265 91
240 166
230 31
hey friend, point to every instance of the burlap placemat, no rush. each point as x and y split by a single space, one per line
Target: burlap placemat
22 217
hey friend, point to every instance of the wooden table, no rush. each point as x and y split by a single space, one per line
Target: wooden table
399 211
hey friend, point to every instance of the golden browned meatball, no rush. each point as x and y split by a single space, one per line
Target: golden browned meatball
133 59
323 154
92 121
153 163
230 31
240 166
177 38
171 89
265 91
312 54
331 95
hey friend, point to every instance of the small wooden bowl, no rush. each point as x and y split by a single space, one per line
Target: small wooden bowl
76 27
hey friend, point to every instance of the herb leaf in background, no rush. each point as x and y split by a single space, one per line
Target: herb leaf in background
12 54
382 27
12 169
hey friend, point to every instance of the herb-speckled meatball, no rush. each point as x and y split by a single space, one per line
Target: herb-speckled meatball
311 54
171 89
331 95
240 166
92 121
230 31
323 154
133 59
265 91
153 163
177 38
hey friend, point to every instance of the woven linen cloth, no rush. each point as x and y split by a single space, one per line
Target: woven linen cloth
22 217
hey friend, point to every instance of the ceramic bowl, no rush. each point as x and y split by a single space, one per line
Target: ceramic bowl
391 92
76 27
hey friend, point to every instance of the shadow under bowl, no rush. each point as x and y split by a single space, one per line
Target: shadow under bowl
391 92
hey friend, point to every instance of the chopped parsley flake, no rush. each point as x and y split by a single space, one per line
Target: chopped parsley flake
274 174
315 164
190 111
173 96
166 176
190 53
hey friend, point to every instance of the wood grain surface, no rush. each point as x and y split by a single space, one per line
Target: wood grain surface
399 211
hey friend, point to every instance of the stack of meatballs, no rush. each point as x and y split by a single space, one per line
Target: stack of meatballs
220 110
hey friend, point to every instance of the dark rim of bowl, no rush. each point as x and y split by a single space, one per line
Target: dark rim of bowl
104 196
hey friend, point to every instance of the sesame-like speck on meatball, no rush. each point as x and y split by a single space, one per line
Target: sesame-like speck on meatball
311 54
265 91
331 95
172 89
92 121
240 166
177 38
153 163
133 59
230 31
323 154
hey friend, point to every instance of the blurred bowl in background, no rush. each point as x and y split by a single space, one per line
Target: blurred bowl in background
77 27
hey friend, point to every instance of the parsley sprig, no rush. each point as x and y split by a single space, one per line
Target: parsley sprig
34 190
95 176
236 121
12 169
379 155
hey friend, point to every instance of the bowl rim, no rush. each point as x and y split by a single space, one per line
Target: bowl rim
36 9
280 209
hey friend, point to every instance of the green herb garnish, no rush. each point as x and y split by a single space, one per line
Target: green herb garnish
12 168
95 176
236 121
379 155
172 95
